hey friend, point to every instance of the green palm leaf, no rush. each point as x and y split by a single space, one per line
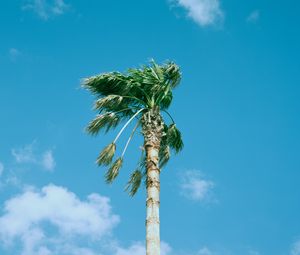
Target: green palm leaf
134 182
113 171
107 154
106 120
174 139
111 101
107 84
164 155
172 74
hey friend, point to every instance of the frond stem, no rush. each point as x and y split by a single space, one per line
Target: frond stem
126 124
130 137
125 109
145 94
135 98
163 95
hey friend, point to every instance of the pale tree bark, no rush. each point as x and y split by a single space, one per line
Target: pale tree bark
152 130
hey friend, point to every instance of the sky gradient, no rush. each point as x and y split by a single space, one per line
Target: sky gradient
234 189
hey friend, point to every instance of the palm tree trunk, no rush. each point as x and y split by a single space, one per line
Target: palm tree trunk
152 203
152 130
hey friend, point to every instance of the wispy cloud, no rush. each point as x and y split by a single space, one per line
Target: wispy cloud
253 252
195 187
14 54
24 154
1 169
253 16
28 154
48 161
13 180
296 248
46 8
205 251
203 12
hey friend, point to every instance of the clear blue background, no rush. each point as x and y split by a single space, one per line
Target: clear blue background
238 108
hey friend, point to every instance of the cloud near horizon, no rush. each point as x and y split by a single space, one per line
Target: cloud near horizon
205 251
139 249
28 215
296 248
77 226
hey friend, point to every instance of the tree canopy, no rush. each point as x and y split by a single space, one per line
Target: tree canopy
127 96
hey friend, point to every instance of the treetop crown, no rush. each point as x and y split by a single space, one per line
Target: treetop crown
148 86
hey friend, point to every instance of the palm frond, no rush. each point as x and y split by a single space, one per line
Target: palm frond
113 171
110 101
106 120
145 84
107 154
134 182
157 71
117 103
164 150
164 155
142 161
107 83
172 73
166 102
174 139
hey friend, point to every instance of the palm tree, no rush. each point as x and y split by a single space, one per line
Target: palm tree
141 94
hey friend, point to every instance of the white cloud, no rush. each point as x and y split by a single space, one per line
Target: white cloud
1 169
46 8
195 187
27 154
203 12
78 227
253 16
165 248
27 215
139 249
74 250
205 251
48 161
252 252
136 249
296 248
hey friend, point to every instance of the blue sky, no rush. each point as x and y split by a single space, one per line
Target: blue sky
235 187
